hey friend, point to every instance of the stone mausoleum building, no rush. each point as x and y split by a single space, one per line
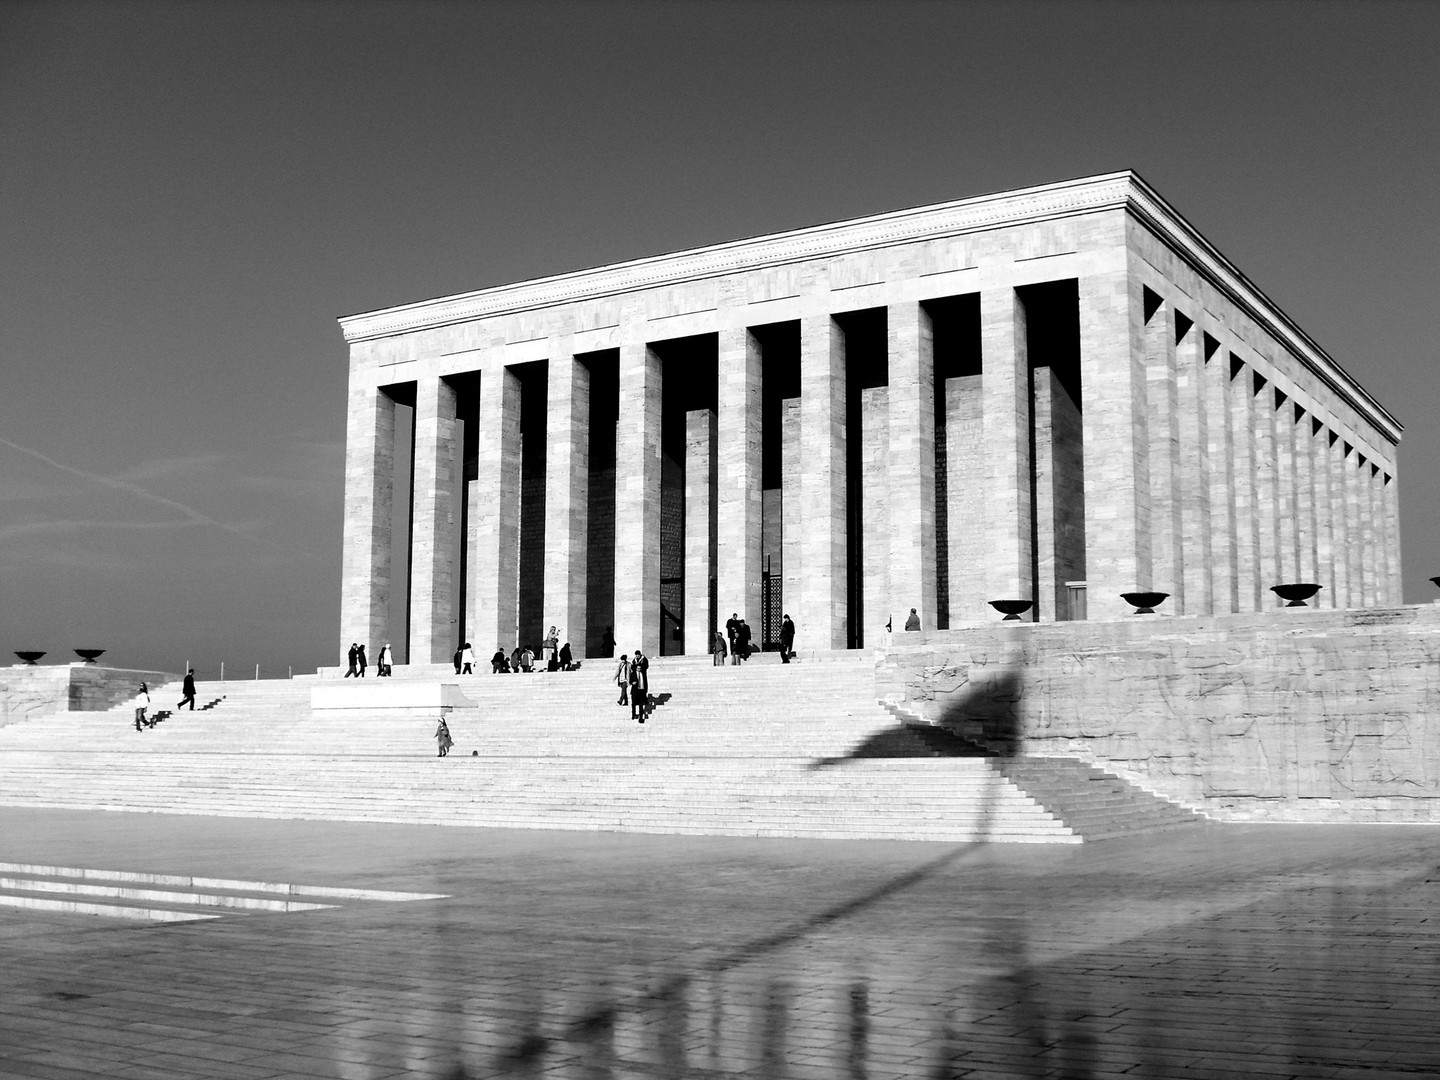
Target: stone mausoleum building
1057 394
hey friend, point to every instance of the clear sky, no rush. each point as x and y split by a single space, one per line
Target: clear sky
190 194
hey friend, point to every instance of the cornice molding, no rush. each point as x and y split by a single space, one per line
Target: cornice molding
1027 206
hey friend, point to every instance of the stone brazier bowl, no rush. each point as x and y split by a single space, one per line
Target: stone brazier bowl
30 657
1297 593
1144 603
1436 580
89 655
1011 609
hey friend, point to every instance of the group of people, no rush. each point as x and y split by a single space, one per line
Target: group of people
740 638
359 663
553 657
632 675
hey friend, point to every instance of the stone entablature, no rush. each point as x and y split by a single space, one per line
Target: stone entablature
761 257
1037 394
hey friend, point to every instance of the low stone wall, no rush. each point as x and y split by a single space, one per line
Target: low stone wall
1292 715
27 691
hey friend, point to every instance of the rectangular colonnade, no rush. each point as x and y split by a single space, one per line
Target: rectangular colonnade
1059 442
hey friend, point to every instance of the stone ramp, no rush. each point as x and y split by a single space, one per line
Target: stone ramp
764 750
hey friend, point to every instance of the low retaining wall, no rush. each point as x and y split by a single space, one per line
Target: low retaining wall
27 691
1293 715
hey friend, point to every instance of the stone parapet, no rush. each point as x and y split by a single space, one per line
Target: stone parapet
1291 715
27 691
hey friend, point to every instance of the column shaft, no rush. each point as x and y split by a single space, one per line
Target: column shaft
369 482
964 462
637 501
1343 535
739 491
1325 548
791 518
1305 517
911 480
1392 539
1220 444
1372 567
1162 397
1266 496
1005 385
495 514
1116 440
1287 501
877 496
701 530
434 560
567 491
1247 491
823 546
1194 464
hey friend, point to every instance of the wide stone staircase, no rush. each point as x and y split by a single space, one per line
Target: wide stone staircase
800 750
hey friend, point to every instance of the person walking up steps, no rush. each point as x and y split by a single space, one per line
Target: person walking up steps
787 640
141 706
188 689
442 737
360 659
354 657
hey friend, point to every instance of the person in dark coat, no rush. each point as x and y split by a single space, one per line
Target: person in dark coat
787 639
639 686
732 632
717 649
742 640
913 622
607 642
360 659
354 657
567 658
188 689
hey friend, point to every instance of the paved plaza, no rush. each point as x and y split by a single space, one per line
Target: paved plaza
1268 951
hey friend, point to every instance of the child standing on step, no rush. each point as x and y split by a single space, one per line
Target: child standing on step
442 736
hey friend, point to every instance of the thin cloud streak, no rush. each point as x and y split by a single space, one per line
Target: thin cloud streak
41 528
195 516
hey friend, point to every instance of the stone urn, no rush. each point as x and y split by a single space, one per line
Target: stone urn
89 655
1012 609
1144 603
30 657
1296 593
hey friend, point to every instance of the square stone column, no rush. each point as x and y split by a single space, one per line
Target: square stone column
911 480
567 489
1325 549
701 531
739 491
1267 496
494 567
1371 565
791 527
1192 466
637 501
1005 389
823 546
1343 537
965 497
1162 398
1305 520
369 494
877 524
1287 502
1116 439
434 562
1354 525
1247 492
1221 453
1391 500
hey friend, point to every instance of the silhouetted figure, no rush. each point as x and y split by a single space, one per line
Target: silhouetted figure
732 632
459 657
742 640
913 622
360 659
567 658
386 660
787 640
353 656
607 642
188 689
498 663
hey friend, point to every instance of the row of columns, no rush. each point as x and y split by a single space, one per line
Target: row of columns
1251 489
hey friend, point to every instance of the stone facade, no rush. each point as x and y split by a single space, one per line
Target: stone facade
1300 715
1059 394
